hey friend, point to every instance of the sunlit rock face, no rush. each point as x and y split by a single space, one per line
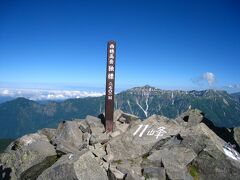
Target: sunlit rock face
187 147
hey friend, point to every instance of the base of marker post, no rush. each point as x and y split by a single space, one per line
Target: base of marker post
109 126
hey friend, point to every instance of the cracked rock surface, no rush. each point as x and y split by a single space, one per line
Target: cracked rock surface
188 147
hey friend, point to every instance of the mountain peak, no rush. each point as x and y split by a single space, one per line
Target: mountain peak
146 88
134 150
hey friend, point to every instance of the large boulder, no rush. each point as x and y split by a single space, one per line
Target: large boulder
26 152
213 164
122 117
129 169
68 138
81 165
97 130
174 159
187 148
191 117
49 132
141 138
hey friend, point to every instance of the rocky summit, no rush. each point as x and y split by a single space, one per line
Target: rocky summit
189 147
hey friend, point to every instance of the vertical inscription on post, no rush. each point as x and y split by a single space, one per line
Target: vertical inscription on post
110 84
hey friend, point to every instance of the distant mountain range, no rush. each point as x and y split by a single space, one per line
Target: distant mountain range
236 96
4 99
21 116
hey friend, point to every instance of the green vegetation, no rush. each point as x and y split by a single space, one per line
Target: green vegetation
146 176
22 116
118 161
193 172
4 143
144 157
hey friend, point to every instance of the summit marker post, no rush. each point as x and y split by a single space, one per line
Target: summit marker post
110 85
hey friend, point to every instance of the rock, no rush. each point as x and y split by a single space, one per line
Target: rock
114 134
192 117
123 127
187 148
49 132
84 127
131 168
97 130
237 135
115 174
99 151
211 157
98 137
105 165
141 138
132 176
81 165
86 138
95 124
217 167
174 159
26 152
69 138
125 117
117 115
157 173
103 138
122 120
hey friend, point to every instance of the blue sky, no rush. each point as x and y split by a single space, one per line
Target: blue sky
168 44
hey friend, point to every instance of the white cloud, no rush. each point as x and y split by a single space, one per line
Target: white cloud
233 86
41 94
5 92
207 77
210 77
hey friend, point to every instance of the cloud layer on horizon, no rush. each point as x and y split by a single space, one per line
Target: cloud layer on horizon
43 94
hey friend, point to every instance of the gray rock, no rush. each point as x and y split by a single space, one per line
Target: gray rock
99 137
99 151
84 127
97 130
131 168
117 115
86 138
115 174
95 124
175 160
125 117
137 142
81 165
156 148
27 152
191 117
69 138
115 134
216 167
122 120
49 132
157 173
122 127
237 135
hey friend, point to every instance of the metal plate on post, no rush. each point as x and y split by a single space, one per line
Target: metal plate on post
110 85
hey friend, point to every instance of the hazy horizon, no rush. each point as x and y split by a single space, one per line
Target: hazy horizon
62 93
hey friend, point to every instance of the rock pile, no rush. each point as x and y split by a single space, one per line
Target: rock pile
155 148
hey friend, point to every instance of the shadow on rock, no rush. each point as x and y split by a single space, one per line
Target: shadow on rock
5 173
224 133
